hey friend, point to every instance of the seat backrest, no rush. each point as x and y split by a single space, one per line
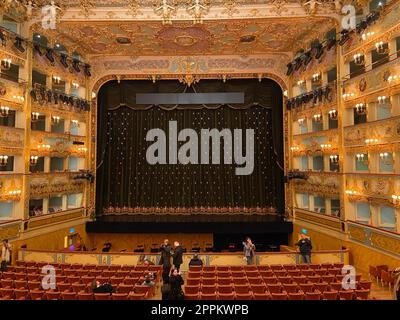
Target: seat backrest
102 296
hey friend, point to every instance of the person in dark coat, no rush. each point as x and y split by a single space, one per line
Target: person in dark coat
305 248
165 288
165 250
177 255
102 288
175 286
195 261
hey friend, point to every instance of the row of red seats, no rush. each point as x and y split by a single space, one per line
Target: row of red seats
17 294
238 274
287 279
327 295
313 266
256 280
272 288
76 273
62 286
39 265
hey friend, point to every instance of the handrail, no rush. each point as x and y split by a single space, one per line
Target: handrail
373 227
349 77
187 253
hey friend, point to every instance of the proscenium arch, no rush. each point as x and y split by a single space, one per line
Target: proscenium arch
105 79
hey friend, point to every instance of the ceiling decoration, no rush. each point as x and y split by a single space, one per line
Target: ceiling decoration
210 38
196 10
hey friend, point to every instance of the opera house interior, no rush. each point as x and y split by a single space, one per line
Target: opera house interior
200 150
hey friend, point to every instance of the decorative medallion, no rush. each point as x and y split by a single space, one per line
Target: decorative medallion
362 85
386 75
3 89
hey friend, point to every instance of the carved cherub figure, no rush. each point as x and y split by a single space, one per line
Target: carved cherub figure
166 11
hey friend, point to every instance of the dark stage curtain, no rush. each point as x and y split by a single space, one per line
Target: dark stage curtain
126 182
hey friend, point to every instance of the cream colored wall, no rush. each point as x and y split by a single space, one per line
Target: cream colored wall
52 240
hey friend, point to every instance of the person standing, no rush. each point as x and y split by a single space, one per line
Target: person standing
396 275
5 255
305 248
165 250
177 255
249 250
175 286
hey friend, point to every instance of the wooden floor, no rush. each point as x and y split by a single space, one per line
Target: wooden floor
381 293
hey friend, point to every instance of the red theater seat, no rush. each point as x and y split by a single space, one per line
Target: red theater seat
313 296
102 296
225 289
295 296
136 296
191 289
262 296
85 296
208 289
68 296
119 296
279 296
226 296
206 296
330 295
244 296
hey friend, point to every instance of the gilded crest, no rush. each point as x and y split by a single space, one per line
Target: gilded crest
362 85
3 89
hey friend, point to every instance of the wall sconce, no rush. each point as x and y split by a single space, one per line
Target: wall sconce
56 80
3 161
359 59
55 119
300 82
334 158
285 93
393 78
45 147
362 158
14 192
315 77
4 111
75 123
384 156
326 146
295 148
370 141
360 108
6 64
395 199
367 35
380 49
382 99
301 121
351 192
82 149
75 85
33 160
35 116
348 95
333 114
20 99
260 76
317 117
224 77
